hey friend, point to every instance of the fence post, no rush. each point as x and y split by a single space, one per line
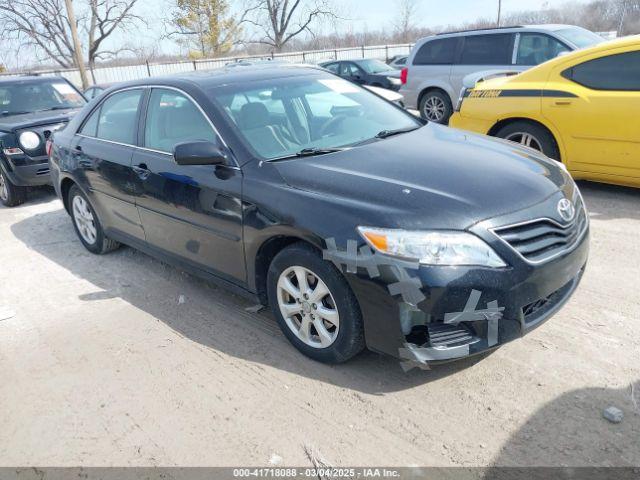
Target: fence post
195 67
335 54
304 58
386 53
148 67
272 56
362 51
93 75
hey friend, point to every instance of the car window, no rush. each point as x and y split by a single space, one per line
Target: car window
580 37
614 72
42 95
495 49
91 124
118 117
536 48
401 61
374 66
279 117
172 118
437 52
333 67
350 69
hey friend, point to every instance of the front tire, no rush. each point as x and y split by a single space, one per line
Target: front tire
435 106
532 136
11 195
87 224
314 305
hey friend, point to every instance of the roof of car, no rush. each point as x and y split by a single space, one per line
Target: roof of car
229 75
548 27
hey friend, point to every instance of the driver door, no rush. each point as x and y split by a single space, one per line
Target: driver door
353 73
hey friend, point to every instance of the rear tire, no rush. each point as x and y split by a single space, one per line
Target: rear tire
532 136
87 225
435 106
11 195
324 304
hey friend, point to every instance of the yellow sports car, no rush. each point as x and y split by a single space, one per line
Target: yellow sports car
582 109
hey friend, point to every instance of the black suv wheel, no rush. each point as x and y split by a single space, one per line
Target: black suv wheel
11 195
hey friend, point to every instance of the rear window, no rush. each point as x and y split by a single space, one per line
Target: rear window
437 52
496 49
616 72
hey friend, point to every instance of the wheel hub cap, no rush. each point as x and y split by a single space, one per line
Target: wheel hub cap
4 193
308 307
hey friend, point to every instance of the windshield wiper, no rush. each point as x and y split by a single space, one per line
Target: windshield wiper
309 152
7 113
391 133
54 108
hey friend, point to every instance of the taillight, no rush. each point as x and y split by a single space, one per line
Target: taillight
403 75
49 146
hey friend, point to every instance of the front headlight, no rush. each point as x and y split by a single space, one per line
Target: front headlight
29 140
451 248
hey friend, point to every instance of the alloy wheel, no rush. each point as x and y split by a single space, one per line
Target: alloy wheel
308 307
434 109
84 220
526 139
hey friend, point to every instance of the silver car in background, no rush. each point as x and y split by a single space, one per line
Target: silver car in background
438 64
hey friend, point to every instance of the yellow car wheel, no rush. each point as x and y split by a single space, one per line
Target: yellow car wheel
531 135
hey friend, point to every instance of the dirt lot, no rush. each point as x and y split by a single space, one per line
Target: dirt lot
102 364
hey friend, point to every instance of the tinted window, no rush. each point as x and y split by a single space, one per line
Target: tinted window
437 52
91 125
536 48
402 61
615 72
374 66
333 67
118 116
487 49
172 118
349 69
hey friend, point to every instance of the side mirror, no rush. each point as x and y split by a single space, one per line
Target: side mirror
198 153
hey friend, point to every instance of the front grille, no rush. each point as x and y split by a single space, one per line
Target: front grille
544 239
447 335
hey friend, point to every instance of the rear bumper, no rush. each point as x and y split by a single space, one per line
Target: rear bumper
31 172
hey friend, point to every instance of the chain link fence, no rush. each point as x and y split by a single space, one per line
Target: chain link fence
124 73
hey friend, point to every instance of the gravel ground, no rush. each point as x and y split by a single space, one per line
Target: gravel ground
101 364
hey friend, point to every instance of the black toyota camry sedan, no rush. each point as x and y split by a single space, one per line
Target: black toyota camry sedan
357 223
30 109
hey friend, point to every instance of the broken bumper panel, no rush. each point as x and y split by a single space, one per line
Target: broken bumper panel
438 314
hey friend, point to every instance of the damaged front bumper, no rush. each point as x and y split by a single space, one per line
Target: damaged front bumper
427 315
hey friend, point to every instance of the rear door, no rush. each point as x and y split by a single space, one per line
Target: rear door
193 213
103 148
432 64
492 51
599 122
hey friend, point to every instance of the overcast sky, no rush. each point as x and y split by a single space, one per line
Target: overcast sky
362 14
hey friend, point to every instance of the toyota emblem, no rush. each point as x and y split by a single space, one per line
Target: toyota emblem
566 209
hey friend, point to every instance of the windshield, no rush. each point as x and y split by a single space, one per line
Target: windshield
33 96
580 37
281 117
374 66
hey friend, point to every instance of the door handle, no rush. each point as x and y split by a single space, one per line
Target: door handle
78 148
563 103
142 170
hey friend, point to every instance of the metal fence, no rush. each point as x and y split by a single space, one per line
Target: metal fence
151 69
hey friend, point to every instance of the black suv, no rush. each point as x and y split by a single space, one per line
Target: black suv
30 109
356 222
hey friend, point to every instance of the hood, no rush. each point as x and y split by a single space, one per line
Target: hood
434 177
19 122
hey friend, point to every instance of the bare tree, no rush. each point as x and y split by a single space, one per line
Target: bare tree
404 23
279 21
77 49
44 26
